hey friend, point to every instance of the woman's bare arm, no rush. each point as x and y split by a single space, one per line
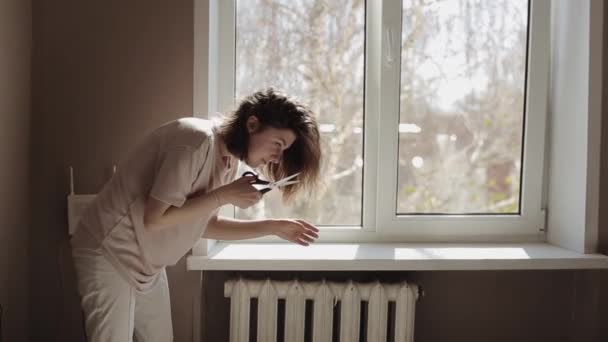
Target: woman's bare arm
296 231
159 215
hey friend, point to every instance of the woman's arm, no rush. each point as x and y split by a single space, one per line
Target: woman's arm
159 215
222 228
296 231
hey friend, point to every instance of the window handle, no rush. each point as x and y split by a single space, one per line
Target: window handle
390 51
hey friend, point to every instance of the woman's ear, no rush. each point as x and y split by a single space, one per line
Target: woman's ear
252 124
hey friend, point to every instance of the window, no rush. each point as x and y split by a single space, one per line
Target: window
432 113
315 50
461 106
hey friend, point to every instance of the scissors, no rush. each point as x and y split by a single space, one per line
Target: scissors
271 185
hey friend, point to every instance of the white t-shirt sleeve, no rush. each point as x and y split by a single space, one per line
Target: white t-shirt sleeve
175 175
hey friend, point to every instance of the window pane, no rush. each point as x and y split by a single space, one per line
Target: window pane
462 100
313 49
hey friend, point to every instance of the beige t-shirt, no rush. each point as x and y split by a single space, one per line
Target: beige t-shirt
172 163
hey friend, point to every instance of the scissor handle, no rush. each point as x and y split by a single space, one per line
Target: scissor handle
249 173
257 180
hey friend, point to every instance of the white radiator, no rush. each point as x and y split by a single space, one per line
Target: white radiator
381 300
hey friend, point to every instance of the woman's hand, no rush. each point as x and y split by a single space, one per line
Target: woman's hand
239 193
296 231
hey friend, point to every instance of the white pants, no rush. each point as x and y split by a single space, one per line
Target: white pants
114 310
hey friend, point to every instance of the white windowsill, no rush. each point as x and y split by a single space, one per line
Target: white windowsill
393 257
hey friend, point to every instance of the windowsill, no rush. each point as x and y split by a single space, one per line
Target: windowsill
393 257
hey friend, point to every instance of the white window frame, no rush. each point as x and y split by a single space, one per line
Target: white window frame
379 220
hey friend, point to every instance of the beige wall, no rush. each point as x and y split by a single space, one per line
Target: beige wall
15 45
104 72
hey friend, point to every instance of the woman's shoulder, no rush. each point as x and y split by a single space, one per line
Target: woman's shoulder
187 132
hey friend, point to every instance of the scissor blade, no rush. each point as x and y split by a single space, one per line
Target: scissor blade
276 185
285 180
287 183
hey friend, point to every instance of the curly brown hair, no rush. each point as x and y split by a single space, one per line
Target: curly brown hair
274 109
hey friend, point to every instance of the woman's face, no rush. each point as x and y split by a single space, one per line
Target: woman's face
266 145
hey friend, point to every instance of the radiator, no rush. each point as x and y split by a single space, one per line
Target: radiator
372 311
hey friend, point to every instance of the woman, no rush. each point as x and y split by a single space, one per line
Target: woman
167 194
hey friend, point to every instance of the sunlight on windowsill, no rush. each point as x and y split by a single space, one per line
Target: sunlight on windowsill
386 256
